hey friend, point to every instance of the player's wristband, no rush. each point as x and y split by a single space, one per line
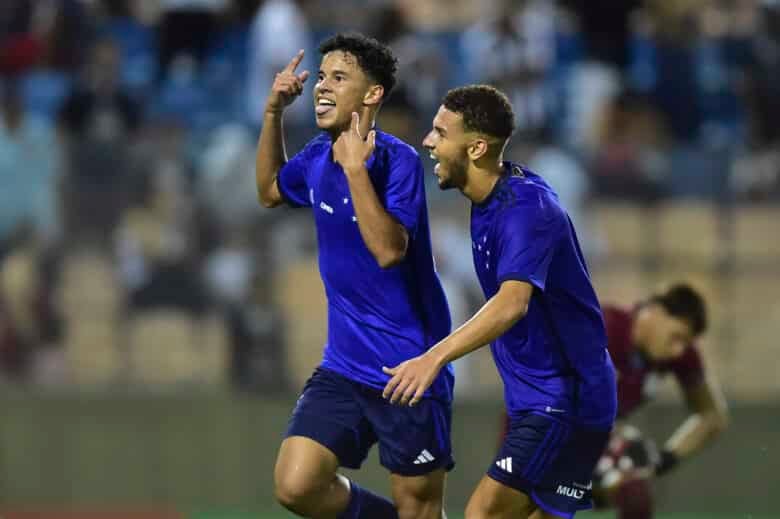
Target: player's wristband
667 462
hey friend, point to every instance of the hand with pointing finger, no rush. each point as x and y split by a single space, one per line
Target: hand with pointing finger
287 86
350 150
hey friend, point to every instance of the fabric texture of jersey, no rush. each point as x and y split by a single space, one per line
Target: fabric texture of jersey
376 317
550 460
348 418
635 383
554 359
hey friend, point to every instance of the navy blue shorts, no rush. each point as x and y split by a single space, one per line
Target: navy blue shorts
551 461
348 418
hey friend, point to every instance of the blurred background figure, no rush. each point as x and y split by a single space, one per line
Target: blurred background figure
28 149
187 27
147 301
98 122
515 50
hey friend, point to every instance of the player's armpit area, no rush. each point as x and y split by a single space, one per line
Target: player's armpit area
271 196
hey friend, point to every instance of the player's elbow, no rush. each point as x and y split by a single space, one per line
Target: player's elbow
515 307
268 203
517 311
267 198
392 253
390 258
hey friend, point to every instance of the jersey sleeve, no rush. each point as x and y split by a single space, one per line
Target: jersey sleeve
689 368
527 236
405 194
292 181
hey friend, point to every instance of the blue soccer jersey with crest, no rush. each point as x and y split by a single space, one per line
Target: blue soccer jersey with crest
554 359
376 317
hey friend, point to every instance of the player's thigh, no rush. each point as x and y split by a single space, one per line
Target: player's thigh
329 413
419 496
494 500
413 441
550 461
303 467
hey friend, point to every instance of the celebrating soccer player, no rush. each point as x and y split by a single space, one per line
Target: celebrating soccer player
541 317
385 303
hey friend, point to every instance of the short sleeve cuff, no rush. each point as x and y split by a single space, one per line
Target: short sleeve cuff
518 276
289 200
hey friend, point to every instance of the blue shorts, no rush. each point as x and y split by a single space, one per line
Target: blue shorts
551 461
348 418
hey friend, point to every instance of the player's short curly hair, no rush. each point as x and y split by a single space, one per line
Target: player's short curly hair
485 109
684 302
374 58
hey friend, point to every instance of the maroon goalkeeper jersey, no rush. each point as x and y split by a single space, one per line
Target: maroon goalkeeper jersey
634 369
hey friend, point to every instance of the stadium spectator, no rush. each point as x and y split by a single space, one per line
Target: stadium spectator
98 123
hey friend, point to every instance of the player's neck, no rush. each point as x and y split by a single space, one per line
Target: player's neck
367 123
482 180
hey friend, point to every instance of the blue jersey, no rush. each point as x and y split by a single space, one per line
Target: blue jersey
376 317
555 358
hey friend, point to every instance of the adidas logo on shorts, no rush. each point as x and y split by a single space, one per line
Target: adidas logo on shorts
424 457
505 464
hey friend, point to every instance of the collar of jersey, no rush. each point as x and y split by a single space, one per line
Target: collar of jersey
497 186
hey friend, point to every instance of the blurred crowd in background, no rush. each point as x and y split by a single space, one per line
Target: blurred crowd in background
132 248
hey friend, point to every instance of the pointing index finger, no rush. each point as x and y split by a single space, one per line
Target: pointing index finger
293 64
356 123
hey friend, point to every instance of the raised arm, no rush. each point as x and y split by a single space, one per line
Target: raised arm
384 236
271 154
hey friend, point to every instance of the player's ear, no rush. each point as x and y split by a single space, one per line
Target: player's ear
477 149
374 95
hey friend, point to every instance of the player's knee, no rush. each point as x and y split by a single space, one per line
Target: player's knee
295 493
419 497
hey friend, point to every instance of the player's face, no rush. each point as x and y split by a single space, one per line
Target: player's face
661 336
447 143
340 90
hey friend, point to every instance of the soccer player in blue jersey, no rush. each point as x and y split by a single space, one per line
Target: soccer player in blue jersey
541 317
385 303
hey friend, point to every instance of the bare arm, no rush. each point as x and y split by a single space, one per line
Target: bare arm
412 378
383 235
271 154
270 158
497 315
385 238
707 419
